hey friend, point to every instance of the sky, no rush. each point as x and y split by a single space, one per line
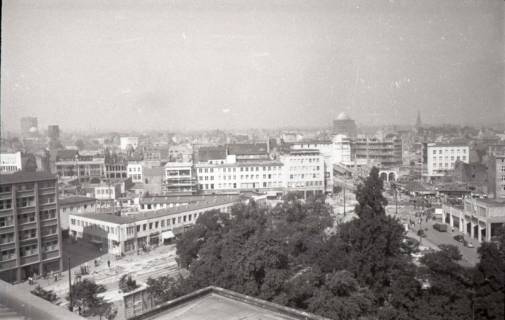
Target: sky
207 64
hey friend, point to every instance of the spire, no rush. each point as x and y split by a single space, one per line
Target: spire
418 120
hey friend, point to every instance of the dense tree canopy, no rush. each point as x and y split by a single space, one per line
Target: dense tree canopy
291 255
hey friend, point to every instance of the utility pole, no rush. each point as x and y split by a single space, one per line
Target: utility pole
71 306
344 199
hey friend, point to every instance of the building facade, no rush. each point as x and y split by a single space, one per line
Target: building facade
134 171
479 219
30 238
303 172
385 151
179 178
10 162
85 168
74 205
344 125
138 230
442 157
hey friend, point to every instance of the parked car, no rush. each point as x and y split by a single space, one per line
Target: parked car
440 227
459 238
468 244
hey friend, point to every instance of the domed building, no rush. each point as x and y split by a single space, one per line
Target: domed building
344 125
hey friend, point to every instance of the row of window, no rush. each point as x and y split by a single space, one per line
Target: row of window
304 168
304 176
242 177
163 222
135 169
447 151
447 158
6 238
78 208
242 169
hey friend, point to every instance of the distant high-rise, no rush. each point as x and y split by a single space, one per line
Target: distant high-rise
344 125
418 120
53 132
29 126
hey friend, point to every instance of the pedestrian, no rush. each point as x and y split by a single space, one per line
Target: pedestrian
55 277
108 263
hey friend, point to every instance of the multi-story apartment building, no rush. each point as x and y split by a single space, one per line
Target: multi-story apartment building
385 151
179 178
303 171
441 158
134 170
30 237
10 162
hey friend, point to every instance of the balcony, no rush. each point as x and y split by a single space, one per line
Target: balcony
32 258
51 255
9 264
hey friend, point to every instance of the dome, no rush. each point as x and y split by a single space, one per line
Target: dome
343 116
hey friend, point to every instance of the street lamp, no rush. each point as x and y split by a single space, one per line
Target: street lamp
393 186
71 305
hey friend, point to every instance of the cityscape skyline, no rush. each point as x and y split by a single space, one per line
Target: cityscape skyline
270 64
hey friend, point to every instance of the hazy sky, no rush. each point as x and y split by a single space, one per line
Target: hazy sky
228 64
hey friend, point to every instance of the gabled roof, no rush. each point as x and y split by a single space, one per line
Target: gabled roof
211 153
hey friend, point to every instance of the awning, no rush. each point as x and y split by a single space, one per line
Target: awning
167 235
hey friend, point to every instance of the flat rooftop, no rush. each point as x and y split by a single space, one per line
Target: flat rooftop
26 176
75 200
179 199
141 216
492 202
214 303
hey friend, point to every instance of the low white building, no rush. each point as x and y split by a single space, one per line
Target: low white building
134 169
138 230
440 158
10 162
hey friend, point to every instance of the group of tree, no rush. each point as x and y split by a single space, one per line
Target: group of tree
84 295
363 270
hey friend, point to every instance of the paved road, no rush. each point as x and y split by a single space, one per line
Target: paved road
433 237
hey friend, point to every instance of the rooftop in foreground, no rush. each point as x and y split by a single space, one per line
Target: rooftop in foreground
213 303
